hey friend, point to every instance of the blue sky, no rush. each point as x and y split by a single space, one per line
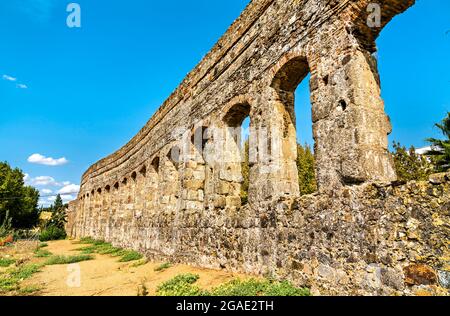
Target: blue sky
78 95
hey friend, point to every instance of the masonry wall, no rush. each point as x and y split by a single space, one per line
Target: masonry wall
174 190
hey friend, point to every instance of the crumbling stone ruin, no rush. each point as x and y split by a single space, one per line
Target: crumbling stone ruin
173 192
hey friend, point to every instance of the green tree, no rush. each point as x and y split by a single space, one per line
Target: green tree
306 169
17 199
409 165
59 216
440 152
58 204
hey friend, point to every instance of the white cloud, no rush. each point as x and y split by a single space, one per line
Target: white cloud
9 78
69 189
68 198
47 161
43 181
46 191
26 177
22 86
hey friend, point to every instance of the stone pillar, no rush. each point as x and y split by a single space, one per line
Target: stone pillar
273 148
349 122
194 171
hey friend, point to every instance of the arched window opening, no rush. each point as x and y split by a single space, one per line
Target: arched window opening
134 176
198 140
108 188
143 171
234 174
174 156
169 179
155 164
292 86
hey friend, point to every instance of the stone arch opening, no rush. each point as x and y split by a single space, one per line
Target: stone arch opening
234 169
194 172
169 188
292 95
155 164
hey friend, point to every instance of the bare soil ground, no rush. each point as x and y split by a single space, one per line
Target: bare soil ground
105 276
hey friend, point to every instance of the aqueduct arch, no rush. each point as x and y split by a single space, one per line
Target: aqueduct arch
189 209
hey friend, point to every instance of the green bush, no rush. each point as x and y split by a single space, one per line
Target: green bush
52 233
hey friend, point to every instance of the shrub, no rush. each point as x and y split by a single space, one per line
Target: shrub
52 233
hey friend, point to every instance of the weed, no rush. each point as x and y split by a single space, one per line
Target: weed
163 267
142 289
10 280
139 263
42 253
6 262
181 285
28 290
56 260
103 248
130 255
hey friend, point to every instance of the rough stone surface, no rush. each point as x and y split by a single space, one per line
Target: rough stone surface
173 192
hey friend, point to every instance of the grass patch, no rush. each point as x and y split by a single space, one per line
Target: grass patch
42 253
253 287
130 255
6 262
163 267
103 248
55 260
42 245
139 263
181 285
184 285
29 290
86 241
10 280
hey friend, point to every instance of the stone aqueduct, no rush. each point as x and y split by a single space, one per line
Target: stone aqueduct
173 192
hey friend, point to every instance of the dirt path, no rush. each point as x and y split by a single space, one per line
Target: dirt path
105 276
